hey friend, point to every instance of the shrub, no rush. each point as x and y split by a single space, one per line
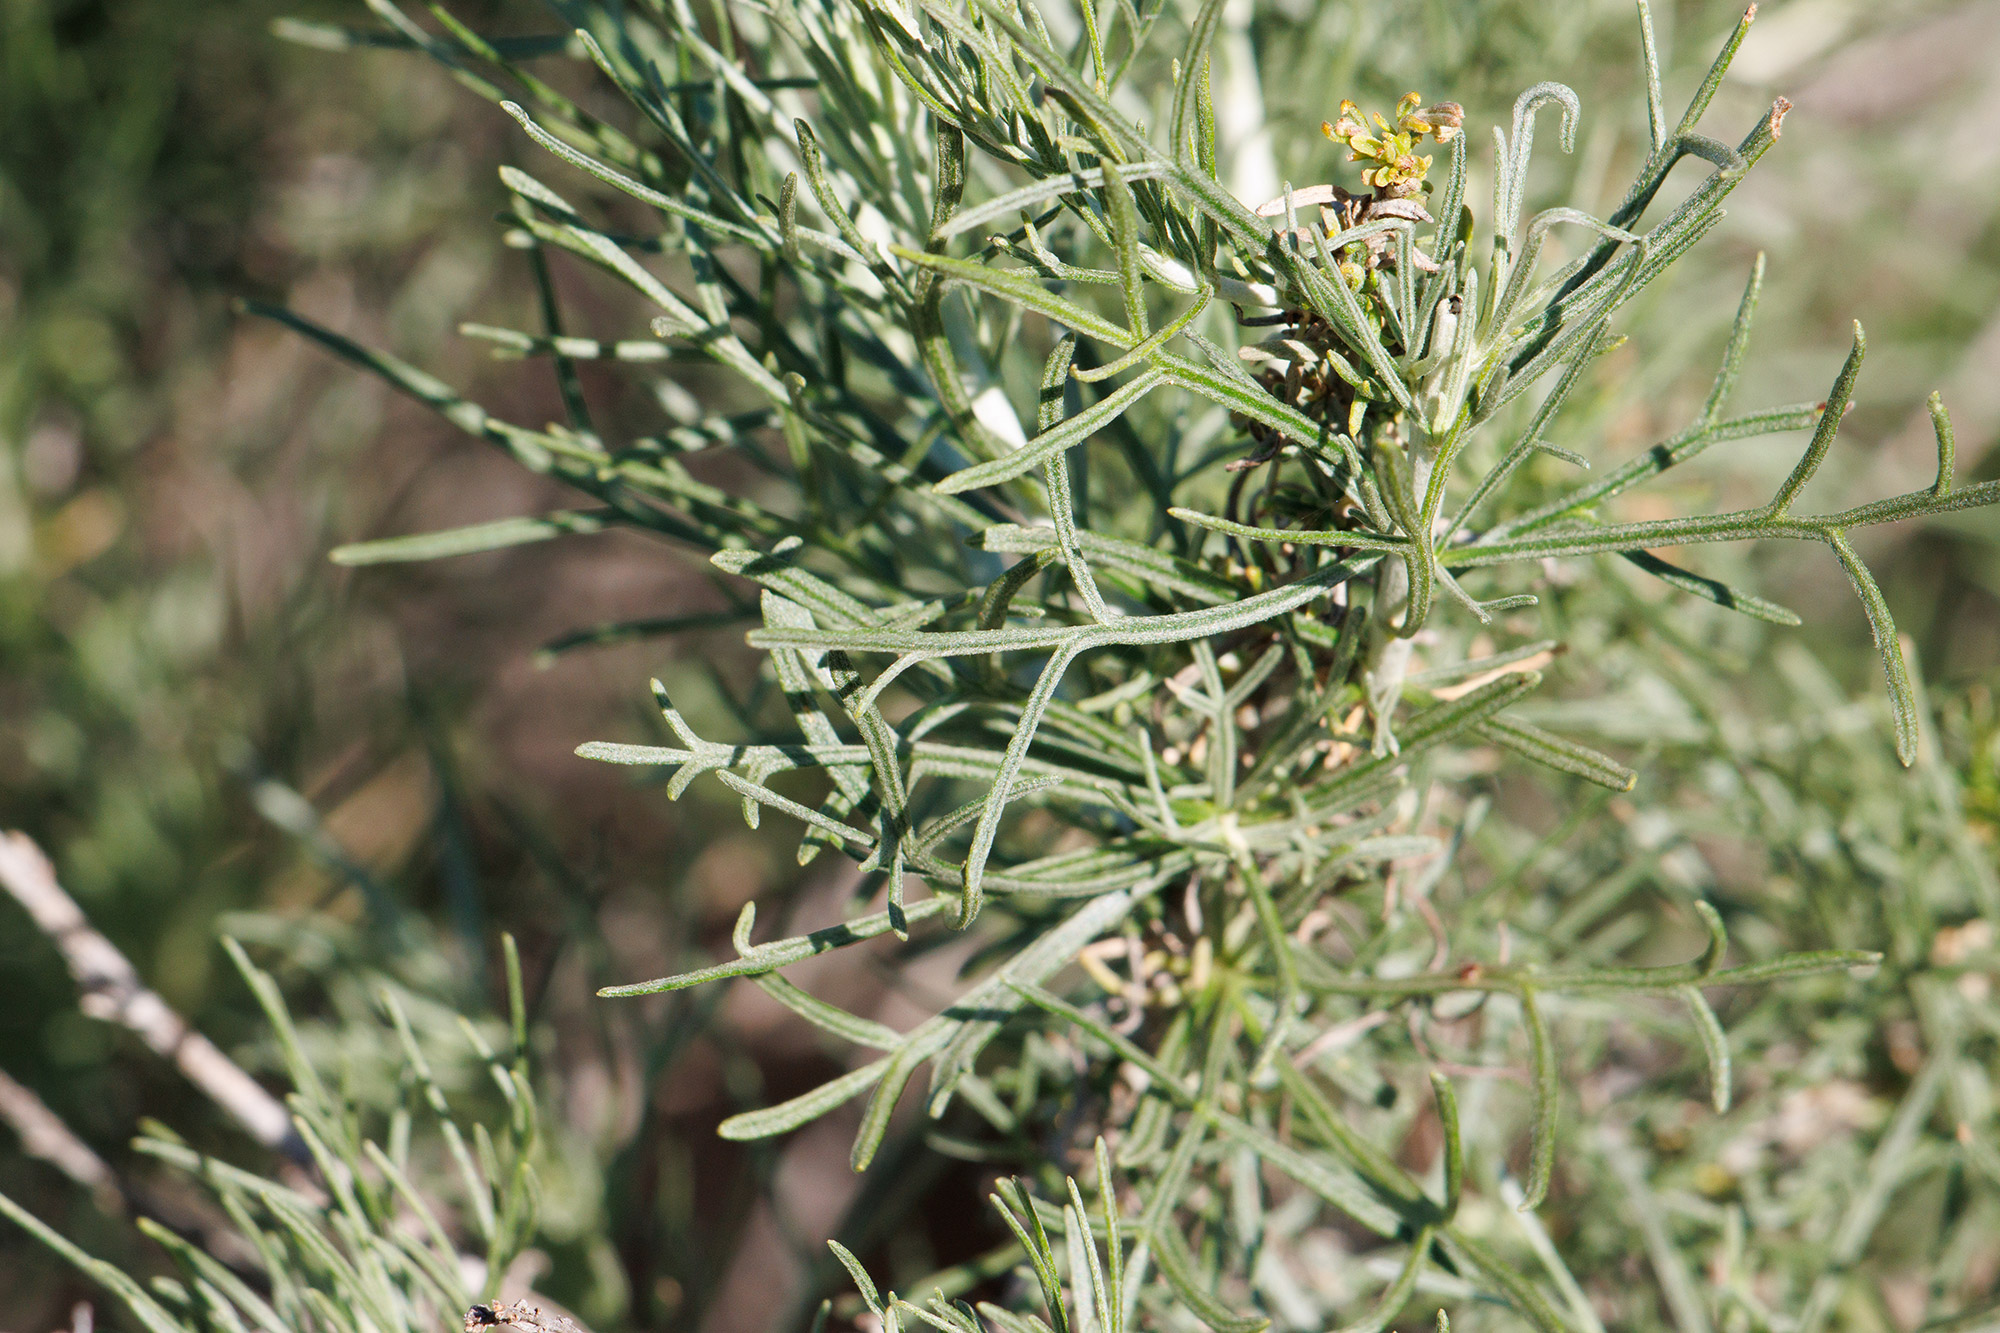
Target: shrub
1146 579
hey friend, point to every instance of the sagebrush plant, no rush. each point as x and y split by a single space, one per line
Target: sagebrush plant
1117 504
1111 536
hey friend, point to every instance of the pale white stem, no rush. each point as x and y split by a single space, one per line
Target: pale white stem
112 991
1243 141
44 1135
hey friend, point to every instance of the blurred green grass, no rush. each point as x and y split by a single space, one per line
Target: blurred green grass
178 662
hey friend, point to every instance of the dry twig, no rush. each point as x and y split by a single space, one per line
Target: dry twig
112 991
43 1134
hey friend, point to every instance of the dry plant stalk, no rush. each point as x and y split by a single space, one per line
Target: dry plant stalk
43 1134
110 990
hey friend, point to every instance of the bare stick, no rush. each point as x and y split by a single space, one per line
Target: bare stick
111 990
44 1135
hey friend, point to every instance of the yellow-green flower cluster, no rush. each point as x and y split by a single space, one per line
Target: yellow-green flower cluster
1395 169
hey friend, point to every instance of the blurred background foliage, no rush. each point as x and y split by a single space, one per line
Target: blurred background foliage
366 774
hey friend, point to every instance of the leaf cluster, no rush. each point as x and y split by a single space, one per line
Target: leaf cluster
363 1237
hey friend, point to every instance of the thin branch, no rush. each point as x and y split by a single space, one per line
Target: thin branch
112 991
43 1134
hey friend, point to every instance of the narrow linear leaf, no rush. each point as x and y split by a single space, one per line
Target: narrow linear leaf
1033 196
1177 1267
144 1308
1714 1044
1558 753
1882 625
470 540
1548 1102
1069 433
862 1282
1454 1152
1713 590
1526 1299
782 953
1398 1293
1019 287
805 1108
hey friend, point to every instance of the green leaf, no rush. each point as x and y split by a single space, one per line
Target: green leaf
862 1282
1019 287
1902 695
782 953
1334 1182
1829 422
1014 202
646 194
1454 1153
1714 1045
1174 627
1713 590
988 827
1548 1102
978 1015
1397 1294
1177 1267
902 1063
1563 755
1124 215
1162 570
1041 1255
144 1308
494 536
1527 1301
827 1017
1193 63
805 1108
1065 435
